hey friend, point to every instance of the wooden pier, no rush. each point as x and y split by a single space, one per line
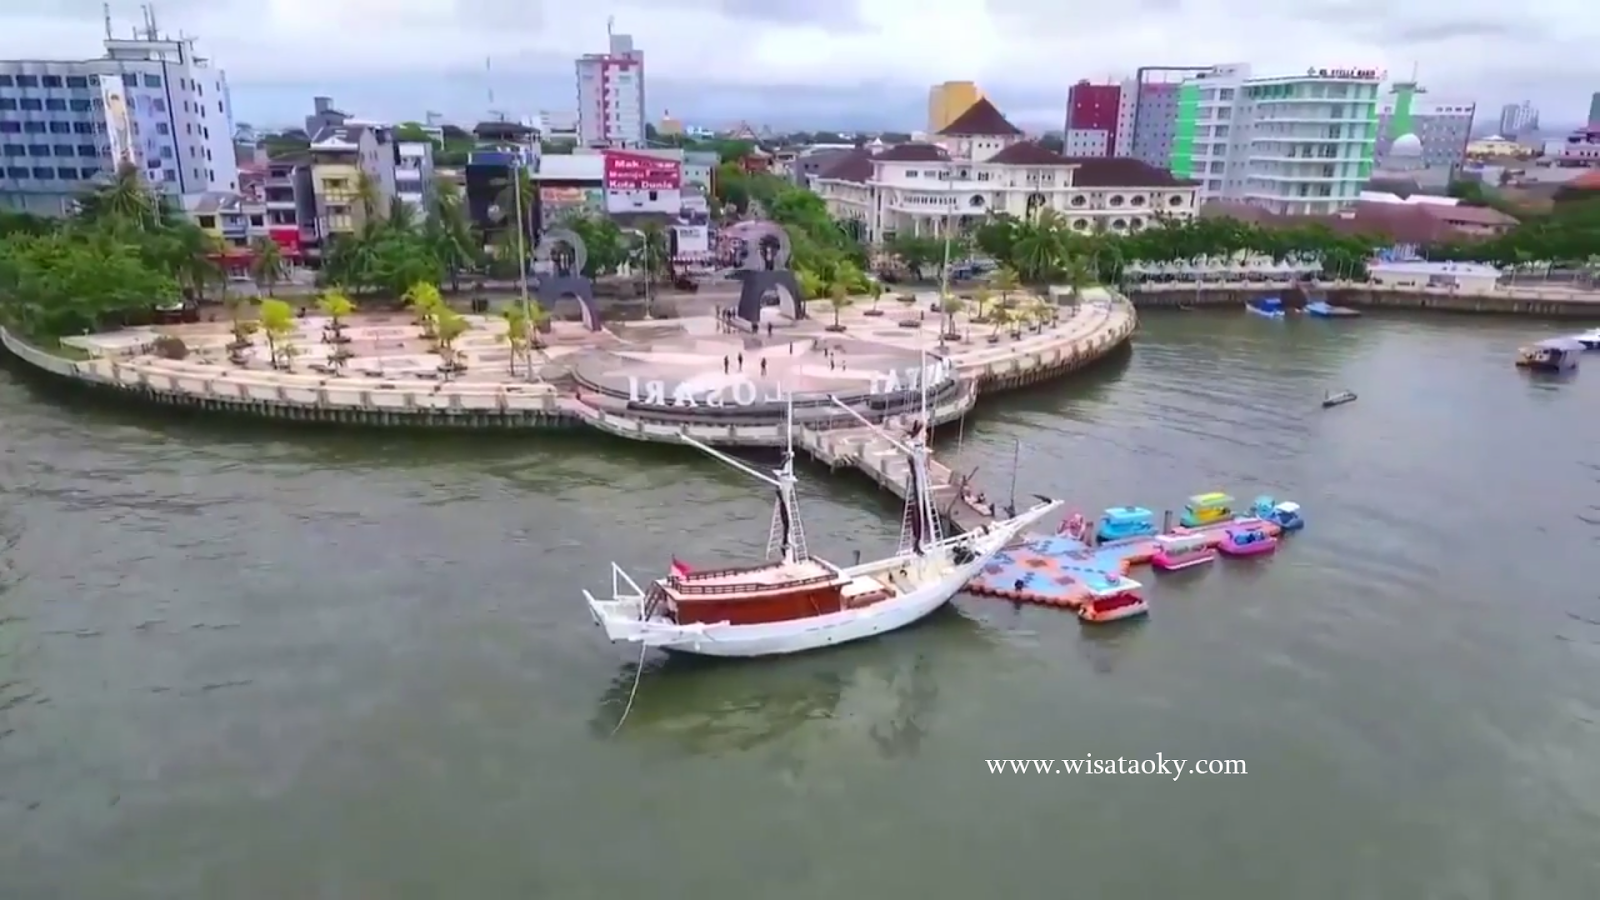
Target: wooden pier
880 461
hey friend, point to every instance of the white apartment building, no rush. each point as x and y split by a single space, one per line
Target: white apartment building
413 175
611 96
149 101
1296 144
982 164
558 124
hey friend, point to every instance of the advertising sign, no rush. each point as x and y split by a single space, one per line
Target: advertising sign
119 125
556 203
626 171
691 240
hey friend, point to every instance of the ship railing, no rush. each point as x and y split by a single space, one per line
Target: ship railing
748 587
621 579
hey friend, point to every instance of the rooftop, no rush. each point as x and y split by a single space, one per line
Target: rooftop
981 119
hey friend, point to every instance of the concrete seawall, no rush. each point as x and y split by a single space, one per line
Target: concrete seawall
1535 302
1096 330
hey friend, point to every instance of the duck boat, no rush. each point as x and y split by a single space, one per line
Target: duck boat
1175 552
1285 515
1337 398
1247 540
1206 509
1122 522
794 601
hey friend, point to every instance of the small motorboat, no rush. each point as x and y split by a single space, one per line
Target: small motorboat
1247 541
1337 398
1122 522
1285 515
1266 307
1115 608
1553 355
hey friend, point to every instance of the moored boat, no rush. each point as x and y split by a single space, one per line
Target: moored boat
1589 339
1247 540
1182 551
1285 515
1124 604
1321 309
1553 355
1267 307
1337 398
794 601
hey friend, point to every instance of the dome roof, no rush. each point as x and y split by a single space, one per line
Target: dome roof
1407 145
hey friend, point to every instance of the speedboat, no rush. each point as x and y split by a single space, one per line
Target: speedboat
1267 307
1322 309
1589 339
1337 398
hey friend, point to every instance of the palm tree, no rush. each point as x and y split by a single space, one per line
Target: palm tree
1006 281
839 296
266 266
516 336
277 321
949 306
1077 277
126 197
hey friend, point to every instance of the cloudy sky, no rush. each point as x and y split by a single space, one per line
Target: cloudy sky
828 63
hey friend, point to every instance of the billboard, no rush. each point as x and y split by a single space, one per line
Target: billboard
556 203
119 124
626 171
691 240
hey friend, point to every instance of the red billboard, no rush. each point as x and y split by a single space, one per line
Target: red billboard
287 239
641 172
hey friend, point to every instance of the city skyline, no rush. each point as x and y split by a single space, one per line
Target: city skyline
863 65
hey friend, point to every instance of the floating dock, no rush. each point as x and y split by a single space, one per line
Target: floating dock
1056 570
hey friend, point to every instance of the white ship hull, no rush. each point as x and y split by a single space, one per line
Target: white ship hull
934 577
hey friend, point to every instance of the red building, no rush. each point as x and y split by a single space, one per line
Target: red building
1092 118
757 160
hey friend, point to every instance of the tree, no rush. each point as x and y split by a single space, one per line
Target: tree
448 326
266 267
915 253
278 323
516 337
839 294
336 305
949 306
425 302
875 288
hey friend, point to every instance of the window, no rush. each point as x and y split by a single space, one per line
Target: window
10 127
207 222
8 103
66 174
256 221
80 105
60 127
83 128
16 172
55 104
159 105
152 81
166 152
219 107
32 104
89 150
44 174
27 81
169 175
65 150
163 128
51 81
77 81
5 81
38 150
13 150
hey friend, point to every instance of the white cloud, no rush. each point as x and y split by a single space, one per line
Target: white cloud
1029 49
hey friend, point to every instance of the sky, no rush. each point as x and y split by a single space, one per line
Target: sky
847 64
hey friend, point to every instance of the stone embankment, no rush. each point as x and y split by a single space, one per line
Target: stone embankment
1553 302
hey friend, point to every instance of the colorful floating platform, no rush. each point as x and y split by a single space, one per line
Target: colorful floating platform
1058 570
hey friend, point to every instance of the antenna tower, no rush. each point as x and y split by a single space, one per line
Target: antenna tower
106 9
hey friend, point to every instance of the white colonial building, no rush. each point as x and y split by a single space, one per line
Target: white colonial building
982 164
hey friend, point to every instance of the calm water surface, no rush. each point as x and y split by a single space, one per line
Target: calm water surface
238 662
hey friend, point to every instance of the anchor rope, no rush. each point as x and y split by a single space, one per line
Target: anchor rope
638 672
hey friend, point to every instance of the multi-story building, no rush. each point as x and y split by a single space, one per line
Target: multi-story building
1443 128
700 167
559 125
1594 109
291 206
1581 148
324 115
1092 119
981 164
948 101
503 148
1518 119
149 102
413 175
352 167
611 95
1298 144
1147 112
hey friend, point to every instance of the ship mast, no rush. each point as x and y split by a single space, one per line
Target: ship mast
919 495
787 540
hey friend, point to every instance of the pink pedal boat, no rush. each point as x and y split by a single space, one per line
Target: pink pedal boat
1247 540
1181 551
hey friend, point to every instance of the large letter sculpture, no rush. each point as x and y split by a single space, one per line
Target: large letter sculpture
765 267
566 255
